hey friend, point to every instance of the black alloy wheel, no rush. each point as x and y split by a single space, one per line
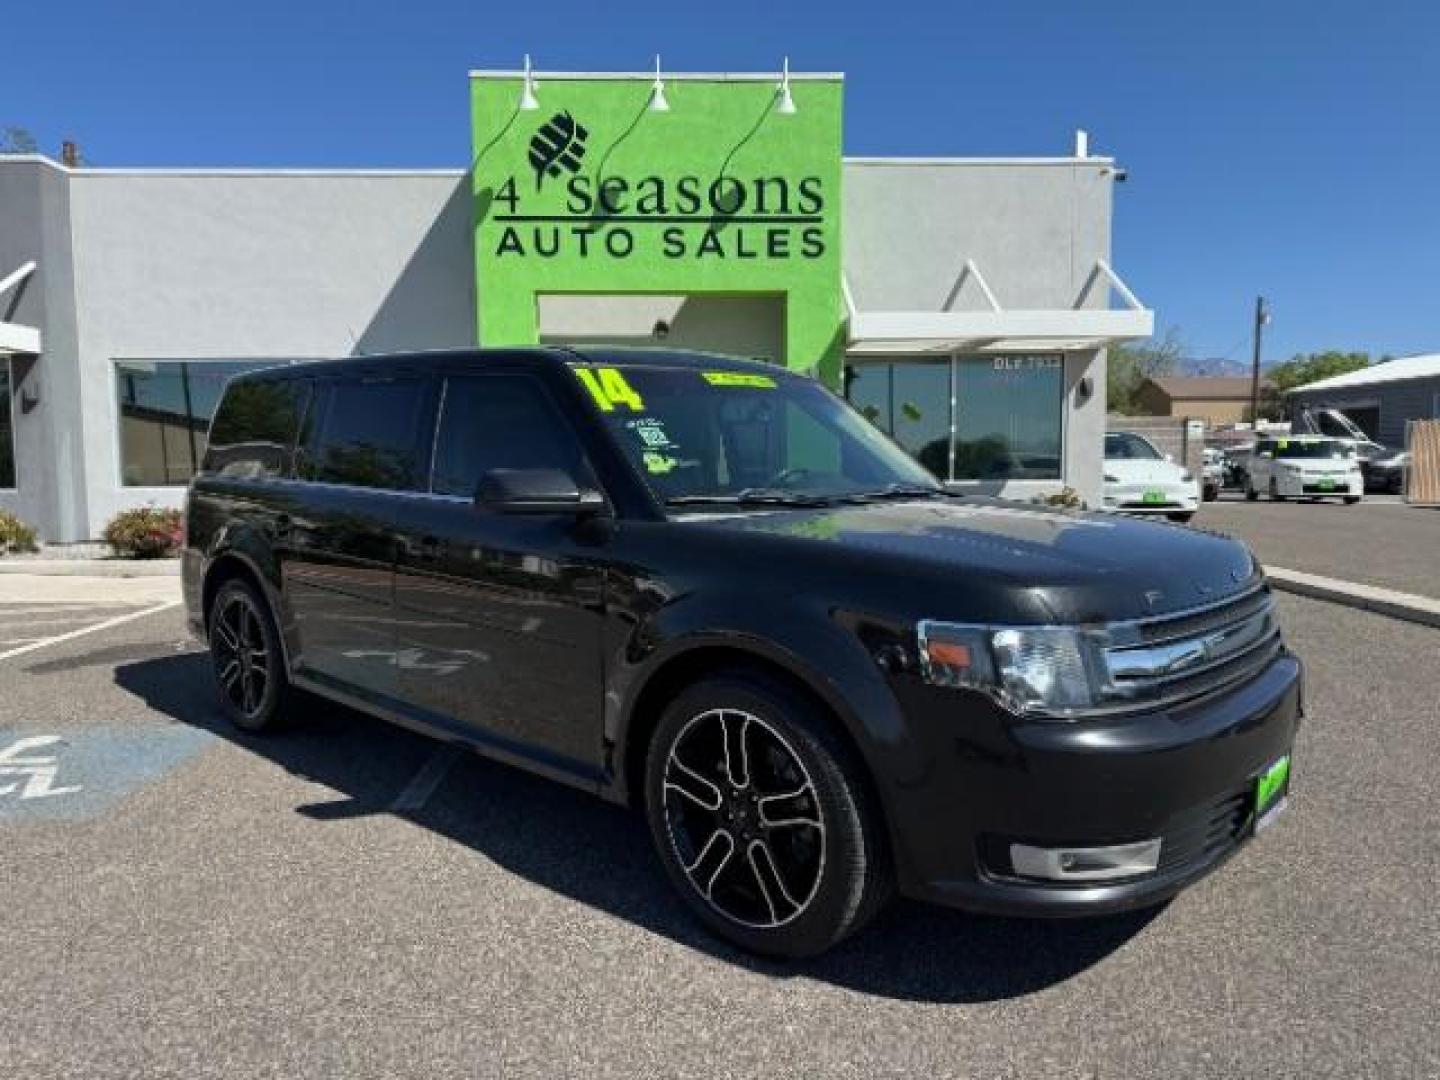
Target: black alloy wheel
245 653
761 818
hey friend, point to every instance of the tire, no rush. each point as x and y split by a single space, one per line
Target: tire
1181 518
811 876
1275 495
246 658
1351 500
1251 495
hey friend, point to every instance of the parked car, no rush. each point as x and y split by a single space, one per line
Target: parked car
1212 474
1139 479
1305 467
709 589
1383 468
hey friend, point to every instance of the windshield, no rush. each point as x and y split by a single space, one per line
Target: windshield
1122 445
736 436
1312 448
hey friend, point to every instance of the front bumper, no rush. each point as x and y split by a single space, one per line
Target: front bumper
1152 498
1300 486
1185 775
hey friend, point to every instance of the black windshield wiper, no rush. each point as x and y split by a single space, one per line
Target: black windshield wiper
904 491
752 497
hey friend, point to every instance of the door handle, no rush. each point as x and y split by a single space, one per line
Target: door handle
283 526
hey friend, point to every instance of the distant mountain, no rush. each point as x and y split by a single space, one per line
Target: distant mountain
1213 366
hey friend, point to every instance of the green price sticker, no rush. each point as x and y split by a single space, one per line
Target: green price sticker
739 378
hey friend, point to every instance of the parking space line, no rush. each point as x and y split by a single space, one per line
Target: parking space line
72 634
423 784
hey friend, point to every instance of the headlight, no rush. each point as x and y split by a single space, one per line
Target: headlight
1047 670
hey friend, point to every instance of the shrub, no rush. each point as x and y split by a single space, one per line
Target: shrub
1067 498
144 533
15 535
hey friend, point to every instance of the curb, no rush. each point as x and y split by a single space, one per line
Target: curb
1408 607
103 568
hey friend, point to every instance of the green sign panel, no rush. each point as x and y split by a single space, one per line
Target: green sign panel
595 193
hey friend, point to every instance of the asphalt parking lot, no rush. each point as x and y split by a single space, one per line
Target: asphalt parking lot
344 900
1380 541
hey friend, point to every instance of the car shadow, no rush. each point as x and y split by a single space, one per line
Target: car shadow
600 854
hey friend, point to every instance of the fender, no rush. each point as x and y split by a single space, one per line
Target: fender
240 540
793 633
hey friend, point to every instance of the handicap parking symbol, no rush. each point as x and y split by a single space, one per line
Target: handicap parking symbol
88 770
28 774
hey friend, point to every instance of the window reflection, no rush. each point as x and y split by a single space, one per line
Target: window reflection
1008 413
165 409
7 433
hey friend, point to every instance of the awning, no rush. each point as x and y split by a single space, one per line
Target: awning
14 337
995 329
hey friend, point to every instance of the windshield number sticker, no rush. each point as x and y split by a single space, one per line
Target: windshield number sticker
739 378
608 386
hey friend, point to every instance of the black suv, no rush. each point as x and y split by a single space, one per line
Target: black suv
710 589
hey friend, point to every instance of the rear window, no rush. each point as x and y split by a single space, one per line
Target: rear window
255 427
366 433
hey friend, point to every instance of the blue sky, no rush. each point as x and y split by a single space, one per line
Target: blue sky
1285 148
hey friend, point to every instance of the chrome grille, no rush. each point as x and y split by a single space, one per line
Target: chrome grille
1171 657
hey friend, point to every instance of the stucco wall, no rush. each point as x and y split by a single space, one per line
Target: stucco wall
173 266
1033 228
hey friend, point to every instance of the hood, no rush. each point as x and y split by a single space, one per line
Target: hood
1315 465
1142 471
1013 560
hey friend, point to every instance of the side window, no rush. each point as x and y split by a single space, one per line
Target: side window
499 422
254 428
367 434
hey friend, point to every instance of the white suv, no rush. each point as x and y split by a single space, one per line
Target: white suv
1305 467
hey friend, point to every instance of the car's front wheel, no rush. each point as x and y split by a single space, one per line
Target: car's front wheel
245 654
762 818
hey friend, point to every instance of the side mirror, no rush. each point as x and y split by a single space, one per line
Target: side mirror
535 491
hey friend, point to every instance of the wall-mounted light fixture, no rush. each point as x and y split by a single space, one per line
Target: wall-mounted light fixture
657 91
784 103
528 101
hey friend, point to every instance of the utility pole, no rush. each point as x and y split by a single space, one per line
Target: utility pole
1262 316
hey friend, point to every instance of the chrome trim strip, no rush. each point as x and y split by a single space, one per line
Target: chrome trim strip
1192 655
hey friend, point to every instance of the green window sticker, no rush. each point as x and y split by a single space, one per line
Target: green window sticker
739 378
658 464
609 387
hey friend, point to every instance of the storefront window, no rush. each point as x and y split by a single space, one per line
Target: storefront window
1008 417
1006 422
165 409
7 431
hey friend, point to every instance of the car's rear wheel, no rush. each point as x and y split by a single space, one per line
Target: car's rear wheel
1351 500
1182 517
245 655
762 817
1250 493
